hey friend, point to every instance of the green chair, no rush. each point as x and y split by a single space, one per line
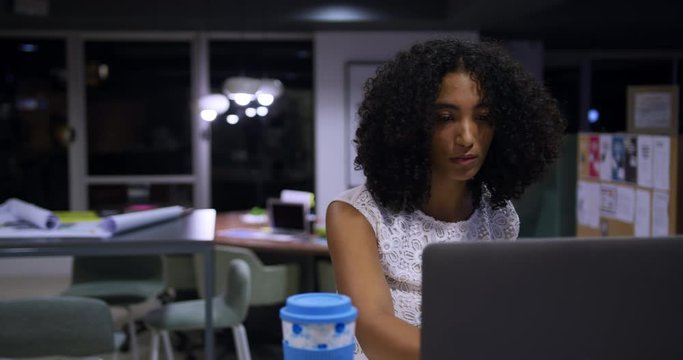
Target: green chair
56 326
229 311
326 279
119 281
271 284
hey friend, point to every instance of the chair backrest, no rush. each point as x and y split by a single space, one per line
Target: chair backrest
103 268
55 326
271 284
237 293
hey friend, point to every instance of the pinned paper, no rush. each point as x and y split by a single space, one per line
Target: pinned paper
618 163
642 216
625 204
606 157
653 110
662 156
608 201
660 213
631 159
594 156
644 153
587 204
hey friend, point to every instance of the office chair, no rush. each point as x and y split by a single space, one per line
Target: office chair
119 281
229 311
326 280
271 284
56 326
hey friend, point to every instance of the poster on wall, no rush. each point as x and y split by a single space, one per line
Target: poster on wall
356 75
606 157
644 154
641 226
587 204
608 201
594 157
617 165
660 213
631 159
652 110
661 151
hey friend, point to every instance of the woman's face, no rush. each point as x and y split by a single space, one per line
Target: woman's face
462 131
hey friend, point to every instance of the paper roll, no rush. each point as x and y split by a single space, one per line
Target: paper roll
35 215
123 222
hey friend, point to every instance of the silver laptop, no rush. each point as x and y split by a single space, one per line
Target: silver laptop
287 217
602 298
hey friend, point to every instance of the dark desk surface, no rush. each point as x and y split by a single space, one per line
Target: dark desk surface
231 220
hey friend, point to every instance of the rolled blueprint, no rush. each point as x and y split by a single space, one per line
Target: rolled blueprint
123 222
35 215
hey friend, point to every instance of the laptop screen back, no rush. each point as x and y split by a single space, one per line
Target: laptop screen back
286 216
553 299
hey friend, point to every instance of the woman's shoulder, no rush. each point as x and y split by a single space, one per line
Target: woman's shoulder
503 220
357 196
362 200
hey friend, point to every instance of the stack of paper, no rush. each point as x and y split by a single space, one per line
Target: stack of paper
19 219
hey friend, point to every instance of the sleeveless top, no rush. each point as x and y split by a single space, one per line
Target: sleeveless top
401 237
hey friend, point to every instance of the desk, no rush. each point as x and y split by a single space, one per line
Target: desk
231 220
190 234
309 248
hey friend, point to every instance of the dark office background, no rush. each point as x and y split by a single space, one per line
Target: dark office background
594 49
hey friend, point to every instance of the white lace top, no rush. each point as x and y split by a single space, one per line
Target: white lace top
402 237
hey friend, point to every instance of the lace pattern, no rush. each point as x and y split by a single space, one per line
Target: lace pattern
402 237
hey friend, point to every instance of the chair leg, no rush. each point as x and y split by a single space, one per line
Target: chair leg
239 334
154 345
132 332
165 336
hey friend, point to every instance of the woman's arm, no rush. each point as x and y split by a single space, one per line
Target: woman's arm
353 248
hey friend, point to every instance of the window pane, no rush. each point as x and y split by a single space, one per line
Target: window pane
563 84
259 156
33 122
138 108
610 79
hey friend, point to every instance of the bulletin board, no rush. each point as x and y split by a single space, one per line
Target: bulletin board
628 183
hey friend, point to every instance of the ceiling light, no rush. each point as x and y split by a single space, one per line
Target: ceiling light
250 112
242 98
271 86
340 14
208 115
232 119
261 111
241 89
217 102
265 99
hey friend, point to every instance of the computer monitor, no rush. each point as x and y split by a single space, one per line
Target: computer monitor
287 217
600 298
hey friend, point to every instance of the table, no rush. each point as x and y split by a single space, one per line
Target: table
190 234
309 247
230 220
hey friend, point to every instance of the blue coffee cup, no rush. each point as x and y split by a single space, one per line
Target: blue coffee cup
318 326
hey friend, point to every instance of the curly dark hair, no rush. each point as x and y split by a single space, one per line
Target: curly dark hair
395 130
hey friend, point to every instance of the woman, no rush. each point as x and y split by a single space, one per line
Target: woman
449 132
